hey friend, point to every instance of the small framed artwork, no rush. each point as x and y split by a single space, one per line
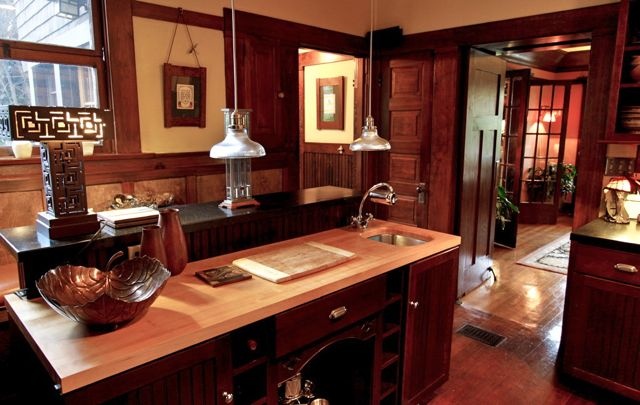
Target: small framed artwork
185 92
330 104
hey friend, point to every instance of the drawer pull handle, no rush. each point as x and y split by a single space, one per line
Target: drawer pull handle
627 268
414 304
338 313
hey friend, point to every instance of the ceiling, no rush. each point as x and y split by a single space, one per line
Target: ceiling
566 53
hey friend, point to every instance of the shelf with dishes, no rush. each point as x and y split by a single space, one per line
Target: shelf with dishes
623 124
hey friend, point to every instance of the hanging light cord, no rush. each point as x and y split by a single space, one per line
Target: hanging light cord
370 58
233 42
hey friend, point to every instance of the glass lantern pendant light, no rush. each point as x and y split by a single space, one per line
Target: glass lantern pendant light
236 143
237 148
369 139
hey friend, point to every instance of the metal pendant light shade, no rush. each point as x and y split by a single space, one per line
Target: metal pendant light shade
369 140
236 145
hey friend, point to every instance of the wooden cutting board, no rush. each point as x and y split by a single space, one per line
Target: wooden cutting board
293 261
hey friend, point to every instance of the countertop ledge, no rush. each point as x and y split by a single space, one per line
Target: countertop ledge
189 311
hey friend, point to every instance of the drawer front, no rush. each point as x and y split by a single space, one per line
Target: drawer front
310 322
605 263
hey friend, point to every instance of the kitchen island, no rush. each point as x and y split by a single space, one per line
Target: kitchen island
600 332
190 313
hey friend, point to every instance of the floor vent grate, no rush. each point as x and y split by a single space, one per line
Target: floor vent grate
481 335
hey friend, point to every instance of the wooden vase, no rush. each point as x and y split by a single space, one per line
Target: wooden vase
174 240
152 245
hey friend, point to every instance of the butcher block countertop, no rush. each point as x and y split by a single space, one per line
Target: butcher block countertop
190 311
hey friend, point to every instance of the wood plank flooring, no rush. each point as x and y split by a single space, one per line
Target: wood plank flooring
525 305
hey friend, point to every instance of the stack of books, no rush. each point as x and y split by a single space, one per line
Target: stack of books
127 217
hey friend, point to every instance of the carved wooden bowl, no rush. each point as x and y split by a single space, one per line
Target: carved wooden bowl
104 298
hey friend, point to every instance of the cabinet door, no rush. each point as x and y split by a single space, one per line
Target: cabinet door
602 333
198 375
429 322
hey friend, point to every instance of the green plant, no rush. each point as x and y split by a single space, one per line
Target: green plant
504 207
567 179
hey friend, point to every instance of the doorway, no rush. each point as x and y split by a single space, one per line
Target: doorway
330 106
542 116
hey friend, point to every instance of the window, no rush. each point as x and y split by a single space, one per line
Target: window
51 53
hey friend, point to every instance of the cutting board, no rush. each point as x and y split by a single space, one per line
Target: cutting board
293 261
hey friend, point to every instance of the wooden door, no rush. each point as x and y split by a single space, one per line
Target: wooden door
408 88
515 114
267 69
480 158
429 315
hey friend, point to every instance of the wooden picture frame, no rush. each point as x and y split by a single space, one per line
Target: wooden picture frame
330 105
185 92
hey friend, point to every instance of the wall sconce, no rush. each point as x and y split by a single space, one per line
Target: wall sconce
60 131
615 193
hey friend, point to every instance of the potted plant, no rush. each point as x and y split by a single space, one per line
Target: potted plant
504 208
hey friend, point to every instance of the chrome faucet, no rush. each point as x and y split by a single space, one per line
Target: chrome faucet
387 197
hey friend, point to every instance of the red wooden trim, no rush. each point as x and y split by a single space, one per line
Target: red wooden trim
294 33
122 75
163 13
559 23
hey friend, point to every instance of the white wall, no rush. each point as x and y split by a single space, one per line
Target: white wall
311 73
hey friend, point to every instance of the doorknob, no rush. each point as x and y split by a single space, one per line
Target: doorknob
422 191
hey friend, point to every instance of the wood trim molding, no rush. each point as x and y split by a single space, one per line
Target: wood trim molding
564 22
169 14
121 68
301 35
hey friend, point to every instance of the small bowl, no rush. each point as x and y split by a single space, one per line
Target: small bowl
104 298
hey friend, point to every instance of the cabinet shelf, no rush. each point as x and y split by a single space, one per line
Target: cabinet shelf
390 329
387 390
249 366
389 359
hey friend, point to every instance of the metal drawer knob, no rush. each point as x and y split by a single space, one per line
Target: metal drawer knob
338 313
627 268
227 397
414 304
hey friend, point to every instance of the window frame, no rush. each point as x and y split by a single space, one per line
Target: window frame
47 53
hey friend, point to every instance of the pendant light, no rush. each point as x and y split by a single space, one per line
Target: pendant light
237 148
236 143
369 139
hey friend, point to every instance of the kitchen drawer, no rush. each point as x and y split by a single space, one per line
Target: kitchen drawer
602 262
309 322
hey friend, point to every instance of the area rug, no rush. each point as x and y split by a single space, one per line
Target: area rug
553 256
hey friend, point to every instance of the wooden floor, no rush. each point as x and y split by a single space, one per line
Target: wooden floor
525 305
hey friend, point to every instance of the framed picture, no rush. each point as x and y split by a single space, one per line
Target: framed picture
330 104
185 92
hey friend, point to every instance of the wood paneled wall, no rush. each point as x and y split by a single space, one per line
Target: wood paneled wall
328 169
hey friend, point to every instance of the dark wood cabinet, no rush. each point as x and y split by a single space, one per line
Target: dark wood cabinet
623 124
198 375
601 332
429 322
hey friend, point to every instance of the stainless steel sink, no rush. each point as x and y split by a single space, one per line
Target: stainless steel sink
397 239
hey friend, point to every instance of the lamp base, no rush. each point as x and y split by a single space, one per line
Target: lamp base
64 227
232 204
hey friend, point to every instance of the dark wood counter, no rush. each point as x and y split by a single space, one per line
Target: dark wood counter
210 231
624 237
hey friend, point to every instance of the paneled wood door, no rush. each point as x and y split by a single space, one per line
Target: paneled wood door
485 101
409 87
